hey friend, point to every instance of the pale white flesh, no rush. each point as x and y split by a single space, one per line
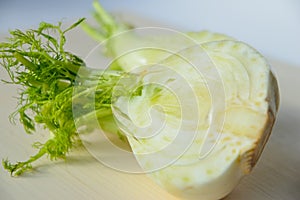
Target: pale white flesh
169 132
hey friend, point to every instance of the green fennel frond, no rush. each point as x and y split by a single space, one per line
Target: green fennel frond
47 75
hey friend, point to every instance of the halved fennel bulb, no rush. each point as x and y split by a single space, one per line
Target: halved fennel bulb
202 119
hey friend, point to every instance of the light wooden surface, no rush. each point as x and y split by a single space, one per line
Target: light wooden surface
276 176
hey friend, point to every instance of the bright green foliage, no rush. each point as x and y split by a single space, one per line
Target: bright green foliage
36 61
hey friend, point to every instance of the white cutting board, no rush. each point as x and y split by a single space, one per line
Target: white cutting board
276 176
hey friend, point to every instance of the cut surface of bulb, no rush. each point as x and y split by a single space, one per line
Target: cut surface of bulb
197 141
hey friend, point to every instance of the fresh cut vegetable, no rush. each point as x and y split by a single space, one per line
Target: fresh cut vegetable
195 108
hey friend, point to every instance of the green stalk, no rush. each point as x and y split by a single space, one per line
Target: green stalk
107 25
